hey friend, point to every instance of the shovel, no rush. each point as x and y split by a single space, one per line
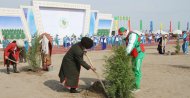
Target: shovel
12 60
96 73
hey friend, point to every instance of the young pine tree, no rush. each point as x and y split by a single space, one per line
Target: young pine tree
119 75
33 56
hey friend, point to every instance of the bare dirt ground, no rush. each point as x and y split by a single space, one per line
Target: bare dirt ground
163 77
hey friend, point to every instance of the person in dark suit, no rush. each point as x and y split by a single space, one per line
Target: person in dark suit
160 47
72 62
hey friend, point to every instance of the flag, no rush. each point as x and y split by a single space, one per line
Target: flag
178 25
116 24
123 19
170 26
119 21
120 18
126 18
140 25
129 24
115 18
187 26
151 26
161 26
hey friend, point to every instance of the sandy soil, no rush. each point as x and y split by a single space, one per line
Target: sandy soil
163 77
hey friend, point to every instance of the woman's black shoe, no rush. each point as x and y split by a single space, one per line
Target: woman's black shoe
73 90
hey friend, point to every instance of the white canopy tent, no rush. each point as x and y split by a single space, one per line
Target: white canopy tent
177 32
160 31
138 32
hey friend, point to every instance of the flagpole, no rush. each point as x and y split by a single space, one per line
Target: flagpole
187 26
141 25
170 26
178 25
129 24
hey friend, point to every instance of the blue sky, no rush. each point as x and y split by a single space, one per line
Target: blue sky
159 11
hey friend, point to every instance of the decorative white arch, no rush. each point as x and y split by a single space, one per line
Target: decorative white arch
17 13
46 4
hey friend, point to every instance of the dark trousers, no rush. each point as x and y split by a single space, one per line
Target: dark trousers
160 50
8 62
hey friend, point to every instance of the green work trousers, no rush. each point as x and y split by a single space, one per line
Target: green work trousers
137 63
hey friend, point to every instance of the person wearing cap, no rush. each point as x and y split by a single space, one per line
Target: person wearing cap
121 35
72 62
136 50
11 55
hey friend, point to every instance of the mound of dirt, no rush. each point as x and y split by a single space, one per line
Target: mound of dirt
173 53
95 91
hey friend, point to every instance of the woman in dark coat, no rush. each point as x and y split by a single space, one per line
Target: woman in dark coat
72 62
160 47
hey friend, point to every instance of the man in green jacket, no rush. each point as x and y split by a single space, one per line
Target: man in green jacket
72 62
136 49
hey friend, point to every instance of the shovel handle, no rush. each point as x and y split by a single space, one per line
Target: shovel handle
96 73
89 60
11 60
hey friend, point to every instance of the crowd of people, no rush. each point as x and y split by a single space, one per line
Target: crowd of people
103 40
113 40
